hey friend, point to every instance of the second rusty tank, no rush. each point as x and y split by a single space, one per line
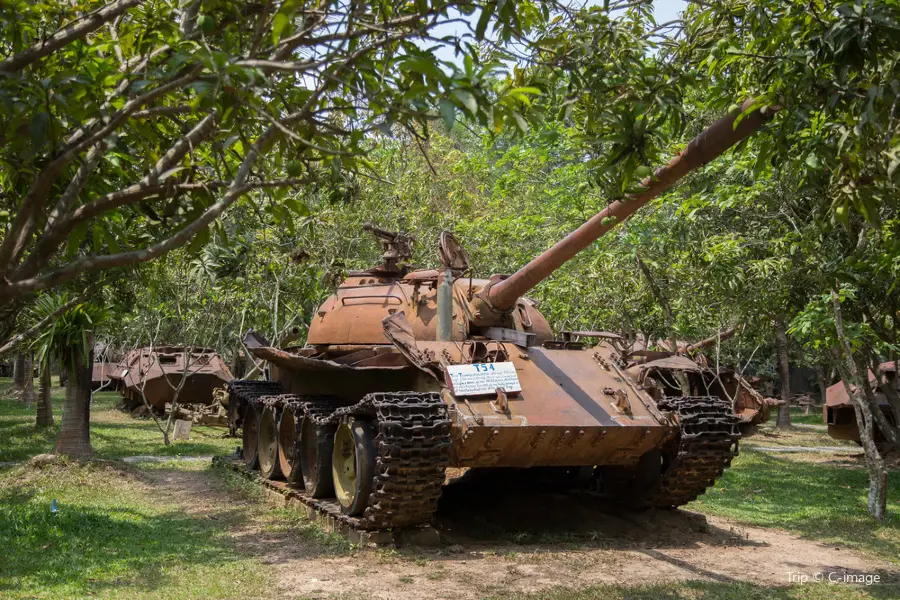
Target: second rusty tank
407 372
154 374
663 372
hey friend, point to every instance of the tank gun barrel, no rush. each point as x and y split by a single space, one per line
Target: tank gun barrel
713 339
710 143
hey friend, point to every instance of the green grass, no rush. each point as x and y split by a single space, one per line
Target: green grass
813 418
815 500
769 435
114 434
109 539
705 590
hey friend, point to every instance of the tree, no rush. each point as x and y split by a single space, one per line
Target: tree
44 402
129 128
832 69
27 395
19 374
70 340
784 370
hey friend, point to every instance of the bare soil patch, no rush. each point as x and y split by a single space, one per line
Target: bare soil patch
517 541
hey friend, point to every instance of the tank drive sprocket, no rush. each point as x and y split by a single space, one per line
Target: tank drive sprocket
707 442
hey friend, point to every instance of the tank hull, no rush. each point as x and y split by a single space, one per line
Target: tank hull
574 408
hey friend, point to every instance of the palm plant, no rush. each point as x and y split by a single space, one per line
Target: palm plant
69 339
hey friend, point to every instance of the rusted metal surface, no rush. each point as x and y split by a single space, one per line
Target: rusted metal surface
155 373
354 313
839 413
711 341
656 371
712 142
836 395
213 415
578 335
101 376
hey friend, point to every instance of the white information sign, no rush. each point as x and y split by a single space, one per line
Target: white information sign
483 378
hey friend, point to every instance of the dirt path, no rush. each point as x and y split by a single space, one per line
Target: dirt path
574 547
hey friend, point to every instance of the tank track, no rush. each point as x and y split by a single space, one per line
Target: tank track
413 452
708 442
413 446
246 391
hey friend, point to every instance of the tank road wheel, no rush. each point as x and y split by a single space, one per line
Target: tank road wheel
316 447
288 449
353 464
268 443
250 436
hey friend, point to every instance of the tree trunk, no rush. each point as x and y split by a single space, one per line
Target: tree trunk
19 374
823 383
864 404
680 376
45 405
784 368
74 432
63 375
28 388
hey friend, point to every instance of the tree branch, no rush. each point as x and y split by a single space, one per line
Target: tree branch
76 30
23 225
56 230
95 263
16 340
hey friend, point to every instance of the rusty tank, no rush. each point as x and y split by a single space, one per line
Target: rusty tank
662 372
839 413
155 374
407 372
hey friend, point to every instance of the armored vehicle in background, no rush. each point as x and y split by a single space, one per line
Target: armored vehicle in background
840 415
155 374
408 372
685 372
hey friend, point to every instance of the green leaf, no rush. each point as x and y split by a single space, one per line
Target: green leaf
485 18
279 24
75 238
448 112
200 240
40 124
521 122
467 99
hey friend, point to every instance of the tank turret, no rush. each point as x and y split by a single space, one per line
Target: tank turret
481 306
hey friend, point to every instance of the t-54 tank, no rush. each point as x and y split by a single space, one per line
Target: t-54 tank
408 372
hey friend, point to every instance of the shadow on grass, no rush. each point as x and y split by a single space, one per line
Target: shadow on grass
118 440
818 501
110 533
113 434
86 547
20 440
